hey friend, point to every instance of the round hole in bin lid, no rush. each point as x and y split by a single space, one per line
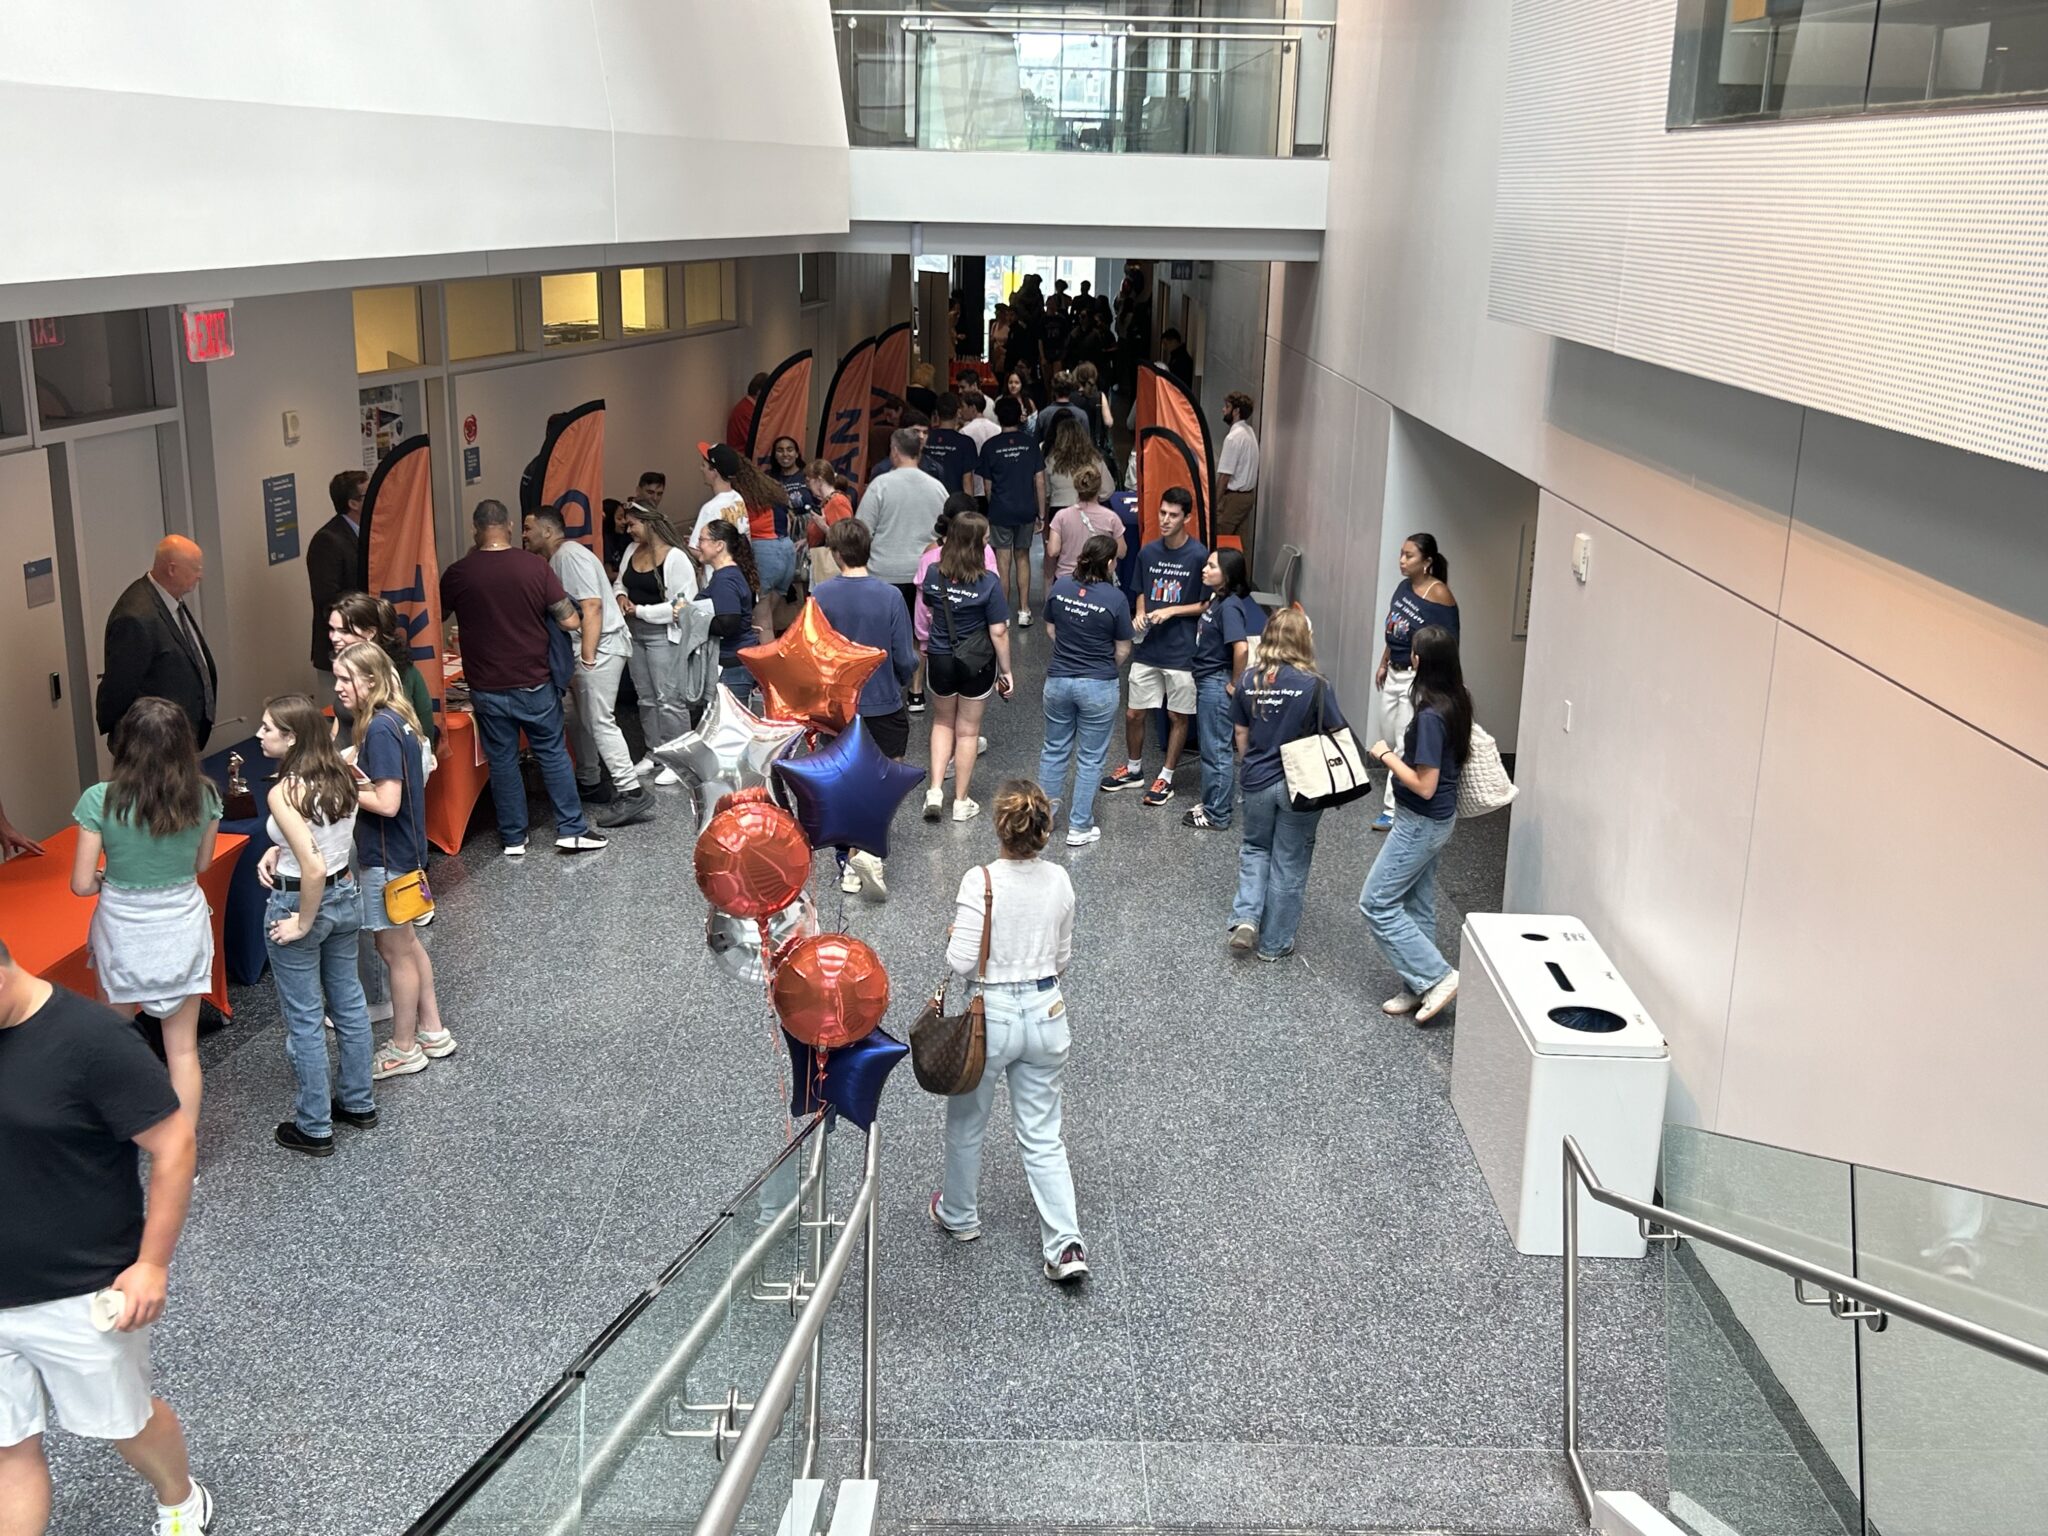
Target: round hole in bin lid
1540 938
1591 1021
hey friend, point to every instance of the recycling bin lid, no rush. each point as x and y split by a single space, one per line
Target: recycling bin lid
1565 995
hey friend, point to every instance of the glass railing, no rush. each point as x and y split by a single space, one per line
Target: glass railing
1121 77
1849 1351
704 1393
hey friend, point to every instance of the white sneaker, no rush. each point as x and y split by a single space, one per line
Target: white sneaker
646 765
1023 618
191 1518
666 776
849 879
868 870
1437 998
965 809
1083 839
934 804
1399 1006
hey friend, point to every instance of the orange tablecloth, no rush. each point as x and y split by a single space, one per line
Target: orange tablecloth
45 925
458 782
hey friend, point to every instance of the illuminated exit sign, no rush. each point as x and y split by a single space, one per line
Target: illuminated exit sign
209 332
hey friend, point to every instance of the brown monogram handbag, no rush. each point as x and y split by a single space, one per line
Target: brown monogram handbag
949 1050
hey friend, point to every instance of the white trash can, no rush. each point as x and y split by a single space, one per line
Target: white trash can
1552 1043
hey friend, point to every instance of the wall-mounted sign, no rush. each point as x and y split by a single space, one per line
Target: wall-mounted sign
281 517
209 332
469 428
40 578
46 333
472 464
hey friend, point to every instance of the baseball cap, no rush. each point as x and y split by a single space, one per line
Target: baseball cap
722 457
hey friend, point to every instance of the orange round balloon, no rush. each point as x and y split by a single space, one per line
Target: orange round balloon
753 859
813 673
829 990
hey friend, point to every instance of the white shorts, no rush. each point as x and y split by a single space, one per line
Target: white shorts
1154 686
97 1382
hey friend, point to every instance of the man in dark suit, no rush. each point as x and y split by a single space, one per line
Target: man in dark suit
331 559
1179 361
154 645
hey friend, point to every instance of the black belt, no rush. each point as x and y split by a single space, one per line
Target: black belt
292 882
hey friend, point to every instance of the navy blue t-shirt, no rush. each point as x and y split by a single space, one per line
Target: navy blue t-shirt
1086 624
390 751
799 489
729 593
1278 711
1406 614
1168 578
1425 747
974 607
1222 624
949 458
1010 463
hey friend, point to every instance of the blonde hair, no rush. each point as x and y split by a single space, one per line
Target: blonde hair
1287 642
1023 819
377 687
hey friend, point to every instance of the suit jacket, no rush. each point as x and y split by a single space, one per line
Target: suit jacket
147 653
331 569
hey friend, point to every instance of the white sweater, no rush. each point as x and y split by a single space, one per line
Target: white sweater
1033 932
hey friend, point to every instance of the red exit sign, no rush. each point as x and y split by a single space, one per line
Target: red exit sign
209 332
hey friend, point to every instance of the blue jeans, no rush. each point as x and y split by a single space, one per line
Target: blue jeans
538 712
1216 734
1272 866
1082 708
1028 1041
1399 899
740 681
317 976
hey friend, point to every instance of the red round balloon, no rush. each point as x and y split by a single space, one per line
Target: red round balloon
830 990
753 859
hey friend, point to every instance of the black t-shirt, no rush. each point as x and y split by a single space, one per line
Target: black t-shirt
76 1085
1011 464
949 458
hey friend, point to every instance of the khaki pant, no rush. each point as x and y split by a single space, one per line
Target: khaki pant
1236 512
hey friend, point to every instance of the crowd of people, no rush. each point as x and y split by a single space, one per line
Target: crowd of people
931 562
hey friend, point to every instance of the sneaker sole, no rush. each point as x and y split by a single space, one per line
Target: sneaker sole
402 1069
1118 786
1152 799
572 848
1061 1274
516 853
934 812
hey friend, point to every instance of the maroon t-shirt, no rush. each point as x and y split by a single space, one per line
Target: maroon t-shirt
501 598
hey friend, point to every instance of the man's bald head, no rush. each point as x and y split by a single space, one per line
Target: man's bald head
179 566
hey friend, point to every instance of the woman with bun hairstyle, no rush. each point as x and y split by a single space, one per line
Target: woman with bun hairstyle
1423 597
1029 906
1399 899
311 923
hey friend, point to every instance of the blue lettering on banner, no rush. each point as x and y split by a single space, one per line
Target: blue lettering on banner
575 509
845 439
411 605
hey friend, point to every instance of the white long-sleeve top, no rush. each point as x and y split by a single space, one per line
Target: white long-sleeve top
1033 932
678 583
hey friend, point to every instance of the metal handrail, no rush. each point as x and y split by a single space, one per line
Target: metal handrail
729 1496
1881 1303
1036 20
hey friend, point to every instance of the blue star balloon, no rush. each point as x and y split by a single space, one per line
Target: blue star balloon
846 793
854 1075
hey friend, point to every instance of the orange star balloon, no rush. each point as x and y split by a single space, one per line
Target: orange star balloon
813 673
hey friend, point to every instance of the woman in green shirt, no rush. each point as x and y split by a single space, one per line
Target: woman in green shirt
357 616
152 932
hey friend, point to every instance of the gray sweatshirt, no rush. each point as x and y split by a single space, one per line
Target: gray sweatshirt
899 509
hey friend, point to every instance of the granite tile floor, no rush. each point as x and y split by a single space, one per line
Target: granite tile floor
1305 1311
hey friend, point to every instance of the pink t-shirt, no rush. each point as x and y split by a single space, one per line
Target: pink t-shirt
1077 524
921 616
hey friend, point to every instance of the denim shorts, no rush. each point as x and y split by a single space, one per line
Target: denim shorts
371 883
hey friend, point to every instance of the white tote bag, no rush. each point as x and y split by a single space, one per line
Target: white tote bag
1324 768
1483 783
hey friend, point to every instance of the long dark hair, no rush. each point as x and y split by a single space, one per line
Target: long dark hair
374 616
1425 546
1440 685
1237 577
1096 557
960 557
739 547
957 503
316 780
156 784
756 489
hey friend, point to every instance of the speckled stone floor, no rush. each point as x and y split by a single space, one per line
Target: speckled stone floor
1305 1311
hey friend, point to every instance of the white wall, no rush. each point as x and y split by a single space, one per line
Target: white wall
234 143
1873 267
1806 787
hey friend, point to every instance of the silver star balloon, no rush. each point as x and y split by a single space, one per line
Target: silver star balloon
735 942
731 749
